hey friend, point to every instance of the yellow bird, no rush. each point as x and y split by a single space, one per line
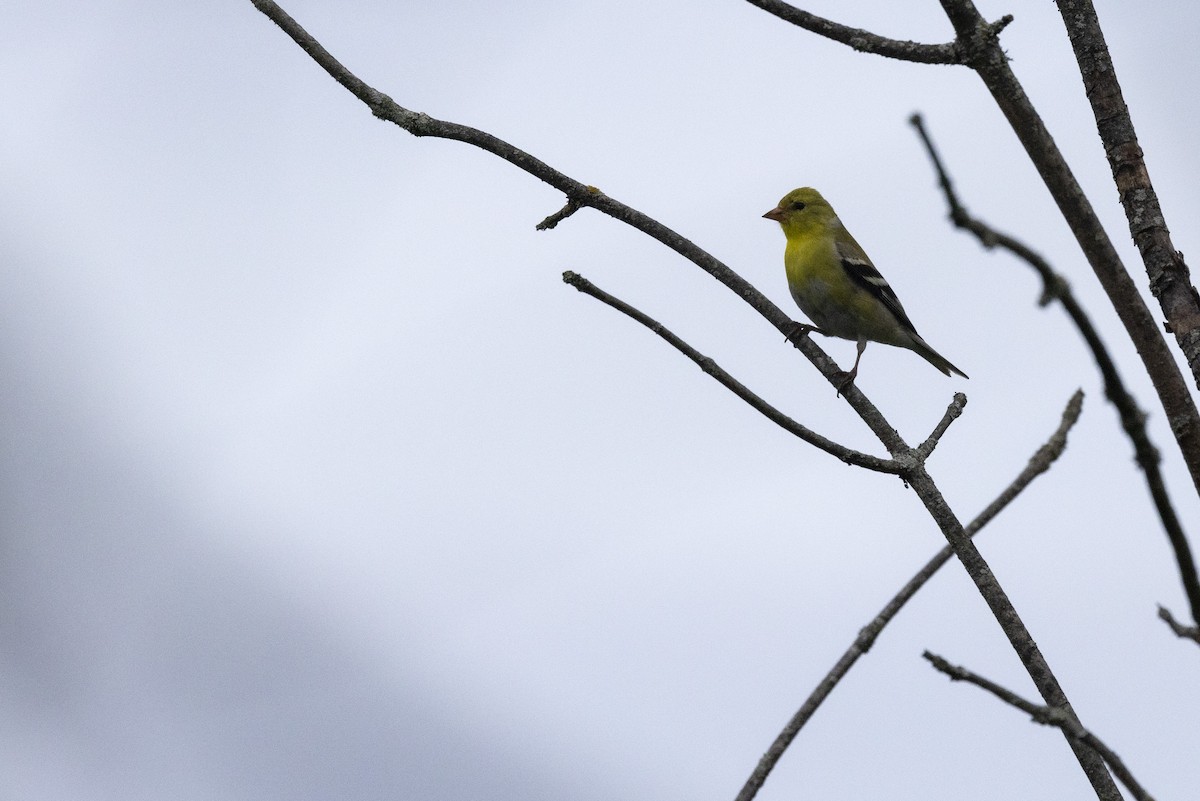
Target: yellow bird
836 285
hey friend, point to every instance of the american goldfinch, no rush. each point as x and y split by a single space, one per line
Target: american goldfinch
834 283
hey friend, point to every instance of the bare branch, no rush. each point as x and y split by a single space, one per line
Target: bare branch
1047 716
1170 281
1133 419
1038 463
867 42
986 57
847 455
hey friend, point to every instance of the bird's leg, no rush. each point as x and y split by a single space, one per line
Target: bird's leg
849 379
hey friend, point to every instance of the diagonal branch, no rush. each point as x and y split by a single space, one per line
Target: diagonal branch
1039 463
867 42
847 455
1047 716
1170 281
1133 419
991 64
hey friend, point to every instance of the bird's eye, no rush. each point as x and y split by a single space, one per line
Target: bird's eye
797 205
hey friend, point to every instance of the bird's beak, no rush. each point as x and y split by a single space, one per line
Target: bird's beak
775 214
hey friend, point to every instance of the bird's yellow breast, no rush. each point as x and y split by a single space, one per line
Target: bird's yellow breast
819 285
829 297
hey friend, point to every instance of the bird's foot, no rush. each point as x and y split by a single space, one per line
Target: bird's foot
847 381
800 330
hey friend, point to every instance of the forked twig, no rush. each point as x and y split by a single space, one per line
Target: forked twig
1038 463
1047 716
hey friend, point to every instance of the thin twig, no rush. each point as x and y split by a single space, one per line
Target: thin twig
1181 630
847 455
1133 419
1038 463
953 411
1047 716
867 42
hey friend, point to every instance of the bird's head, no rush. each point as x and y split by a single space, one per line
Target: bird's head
802 209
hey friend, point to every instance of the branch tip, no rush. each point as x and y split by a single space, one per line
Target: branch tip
554 219
1000 24
1181 630
952 413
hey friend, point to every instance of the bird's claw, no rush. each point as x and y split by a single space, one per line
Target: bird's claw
800 330
847 381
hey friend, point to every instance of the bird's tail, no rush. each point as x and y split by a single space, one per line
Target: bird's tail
921 348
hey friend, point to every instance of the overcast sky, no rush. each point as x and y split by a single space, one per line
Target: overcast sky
317 482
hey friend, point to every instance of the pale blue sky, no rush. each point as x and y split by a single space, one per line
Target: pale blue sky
318 483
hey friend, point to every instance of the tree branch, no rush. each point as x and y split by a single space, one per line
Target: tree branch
985 56
1038 463
1170 281
867 42
1133 419
847 455
1047 716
